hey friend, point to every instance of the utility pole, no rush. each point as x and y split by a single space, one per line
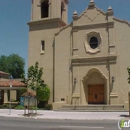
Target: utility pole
10 95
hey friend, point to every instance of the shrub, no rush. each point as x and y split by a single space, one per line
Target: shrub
7 105
13 106
19 107
48 107
4 106
43 93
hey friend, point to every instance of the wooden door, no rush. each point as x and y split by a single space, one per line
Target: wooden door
96 94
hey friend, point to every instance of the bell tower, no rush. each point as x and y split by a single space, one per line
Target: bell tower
49 9
47 16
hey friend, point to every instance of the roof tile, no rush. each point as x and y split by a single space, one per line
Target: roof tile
15 83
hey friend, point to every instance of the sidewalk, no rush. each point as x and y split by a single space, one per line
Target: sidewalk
43 114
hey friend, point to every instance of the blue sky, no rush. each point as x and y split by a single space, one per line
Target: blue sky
14 15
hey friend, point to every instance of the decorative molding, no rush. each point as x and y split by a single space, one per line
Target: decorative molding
87 44
91 71
42 52
94 59
90 17
113 95
76 95
89 63
75 49
94 25
88 9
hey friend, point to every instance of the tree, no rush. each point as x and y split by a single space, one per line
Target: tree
34 81
12 64
4 63
34 77
128 69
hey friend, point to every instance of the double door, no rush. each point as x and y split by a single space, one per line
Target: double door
96 94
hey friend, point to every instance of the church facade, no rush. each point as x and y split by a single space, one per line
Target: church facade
84 62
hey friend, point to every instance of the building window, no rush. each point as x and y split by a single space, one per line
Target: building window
93 42
42 46
45 9
62 9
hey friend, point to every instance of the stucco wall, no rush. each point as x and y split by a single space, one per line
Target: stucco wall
123 50
62 64
38 33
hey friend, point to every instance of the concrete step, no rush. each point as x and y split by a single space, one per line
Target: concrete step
93 108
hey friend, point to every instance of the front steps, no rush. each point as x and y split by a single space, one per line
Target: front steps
94 108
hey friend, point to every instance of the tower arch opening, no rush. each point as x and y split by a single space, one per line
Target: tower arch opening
45 9
62 9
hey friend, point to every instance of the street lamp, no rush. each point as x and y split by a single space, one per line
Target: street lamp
10 94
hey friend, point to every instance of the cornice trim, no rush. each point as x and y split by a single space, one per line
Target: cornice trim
80 26
122 21
47 20
63 28
94 59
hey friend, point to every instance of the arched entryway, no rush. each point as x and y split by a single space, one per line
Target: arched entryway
94 84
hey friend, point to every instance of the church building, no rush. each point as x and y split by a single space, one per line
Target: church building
84 62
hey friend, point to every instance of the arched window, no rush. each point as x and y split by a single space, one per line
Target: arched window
93 42
45 9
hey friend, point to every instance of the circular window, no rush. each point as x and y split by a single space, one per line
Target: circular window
93 42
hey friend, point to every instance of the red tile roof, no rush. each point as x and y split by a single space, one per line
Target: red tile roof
29 93
1 72
15 83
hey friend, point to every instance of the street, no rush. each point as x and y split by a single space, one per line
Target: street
11 123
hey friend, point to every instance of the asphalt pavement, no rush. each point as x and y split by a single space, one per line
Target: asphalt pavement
11 123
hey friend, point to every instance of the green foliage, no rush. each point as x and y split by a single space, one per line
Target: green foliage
48 107
22 91
43 93
34 81
34 77
19 107
6 106
12 64
4 64
128 69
